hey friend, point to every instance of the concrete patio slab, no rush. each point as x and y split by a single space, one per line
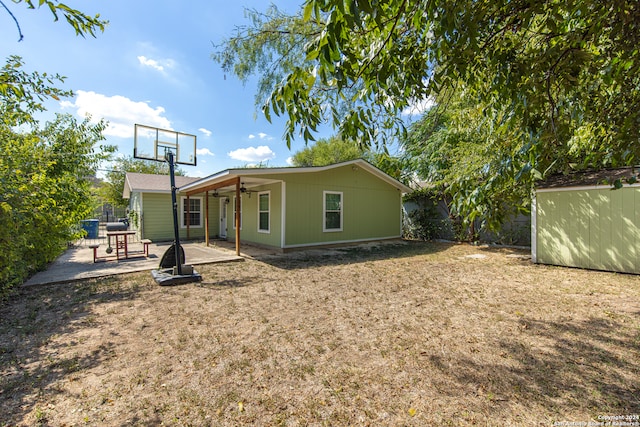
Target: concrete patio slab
77 263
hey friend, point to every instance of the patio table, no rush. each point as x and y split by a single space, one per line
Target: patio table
122 239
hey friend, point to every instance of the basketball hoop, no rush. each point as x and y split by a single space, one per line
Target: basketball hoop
150 143
162 145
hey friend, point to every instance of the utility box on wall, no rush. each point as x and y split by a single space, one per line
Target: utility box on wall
581 220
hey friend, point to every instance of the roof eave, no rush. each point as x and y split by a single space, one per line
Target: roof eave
126 191
226 174
207 180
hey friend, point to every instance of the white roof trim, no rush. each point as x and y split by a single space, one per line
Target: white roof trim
584 187
291 170
126 192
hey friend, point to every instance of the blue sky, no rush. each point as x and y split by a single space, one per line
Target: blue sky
153 66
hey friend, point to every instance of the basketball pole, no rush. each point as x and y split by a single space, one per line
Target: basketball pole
176 230
147 145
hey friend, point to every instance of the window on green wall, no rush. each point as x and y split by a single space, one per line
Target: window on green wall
264 212
193 213
332 207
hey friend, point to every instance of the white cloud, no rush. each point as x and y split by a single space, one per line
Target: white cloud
206 132
158 65
150 63
252 154
289 161
415 108
204 152
121 112
261 135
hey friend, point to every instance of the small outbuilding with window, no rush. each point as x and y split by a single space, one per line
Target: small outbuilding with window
285 208
150 209
588 220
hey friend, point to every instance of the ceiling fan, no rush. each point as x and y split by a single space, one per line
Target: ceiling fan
244 189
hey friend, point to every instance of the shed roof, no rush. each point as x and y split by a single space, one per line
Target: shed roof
588 178
151 183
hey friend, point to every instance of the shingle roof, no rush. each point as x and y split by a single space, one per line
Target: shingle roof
150 183
588 178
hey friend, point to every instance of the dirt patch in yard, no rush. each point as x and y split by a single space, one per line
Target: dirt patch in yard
404 334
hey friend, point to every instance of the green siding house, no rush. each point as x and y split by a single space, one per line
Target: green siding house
151 210
281 208
579 220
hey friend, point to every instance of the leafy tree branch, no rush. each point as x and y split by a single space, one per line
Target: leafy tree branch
82 23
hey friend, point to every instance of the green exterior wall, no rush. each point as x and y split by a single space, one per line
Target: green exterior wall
596 228
214 215
135 205
371 209
157 218
249 227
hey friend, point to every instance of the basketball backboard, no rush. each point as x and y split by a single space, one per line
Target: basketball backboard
150 143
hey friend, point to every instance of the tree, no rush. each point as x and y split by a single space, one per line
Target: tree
44 170
334 150
566 73
44 173
82 23
328 151
113 188
23 93
469 162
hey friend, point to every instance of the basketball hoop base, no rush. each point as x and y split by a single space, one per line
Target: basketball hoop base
165 277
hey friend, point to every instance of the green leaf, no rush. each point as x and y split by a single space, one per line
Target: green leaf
308 10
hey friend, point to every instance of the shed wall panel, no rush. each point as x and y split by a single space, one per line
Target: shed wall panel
589 228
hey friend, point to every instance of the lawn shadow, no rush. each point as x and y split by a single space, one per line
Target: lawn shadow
33 360
374 251
230 283
592 365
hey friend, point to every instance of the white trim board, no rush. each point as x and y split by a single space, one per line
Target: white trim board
283 214
339 242
534 230
584 187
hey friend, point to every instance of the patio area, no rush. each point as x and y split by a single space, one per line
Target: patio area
76 263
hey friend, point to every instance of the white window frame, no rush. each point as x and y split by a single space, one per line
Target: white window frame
233 211
183 223
268 211
324 212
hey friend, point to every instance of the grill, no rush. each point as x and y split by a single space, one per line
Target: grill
116 226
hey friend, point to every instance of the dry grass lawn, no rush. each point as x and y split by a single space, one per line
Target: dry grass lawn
391 335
